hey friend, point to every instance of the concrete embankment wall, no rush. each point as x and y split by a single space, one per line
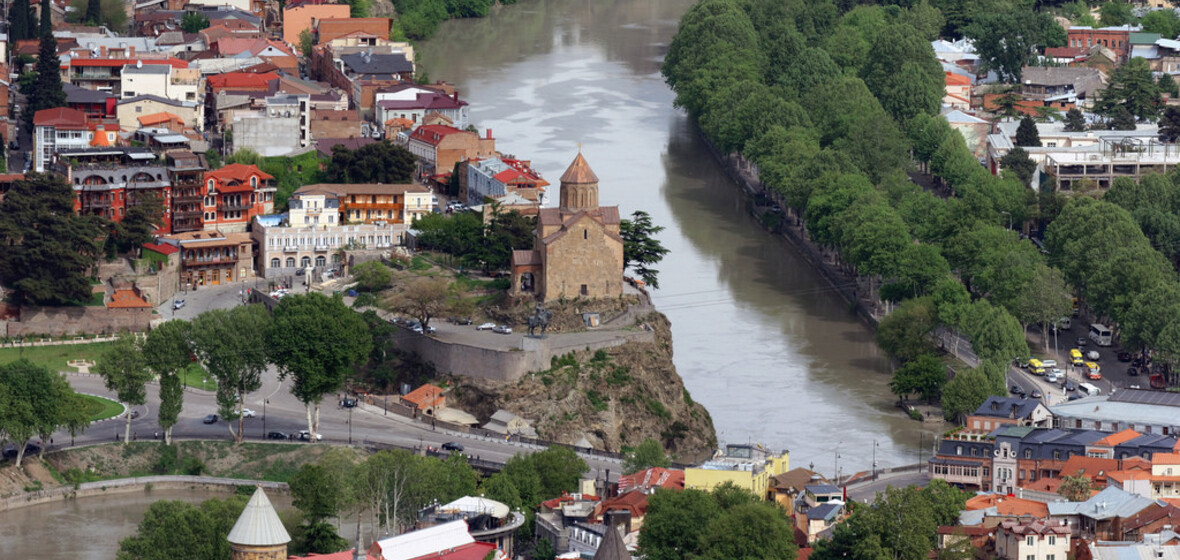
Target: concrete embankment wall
132 485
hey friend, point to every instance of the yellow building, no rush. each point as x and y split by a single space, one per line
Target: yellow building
746 466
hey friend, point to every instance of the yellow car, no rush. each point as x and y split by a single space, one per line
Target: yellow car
1036 367
1075 357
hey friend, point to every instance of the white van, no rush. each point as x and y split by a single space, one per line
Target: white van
1100 334
1089 389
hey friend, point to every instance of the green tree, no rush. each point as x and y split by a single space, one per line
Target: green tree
752 531
1006 39
175 529
903 74
306 42
1164 22
48 250
1133 88
925 376
20 21
1121 119
231 345
1019 164
1165 84
645 456
167 351
192 22
1026 133
94 13
1115 13
19 417
995 334
47 91
317 493
905 333
316 341
423 299
124 371
1150 311
372 276
641 249
1075 121
381 162
139 223
1044 299
1170 125
318 537
1075 488
672 526
559 469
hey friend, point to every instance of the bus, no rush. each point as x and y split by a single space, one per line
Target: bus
1089 389
1100 334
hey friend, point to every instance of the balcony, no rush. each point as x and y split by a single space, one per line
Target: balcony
290 248
186 213
96 203
234 206
322 248
188 199
395 206
205 261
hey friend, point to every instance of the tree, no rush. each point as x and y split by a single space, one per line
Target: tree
139 223
94 13
20 21
995 334
1115 13
1121 119
167 351
1075 121
381 162
1075 488
306 42
672 526
192 22
48 250
124 371
1044 299
903 74
645 456
1019 163
1006 39
19 417
1026 133
175 529
318 537
926 375
559 469
423 299
1164 22
232 345
372 276
317 494
641 250
47 92
1170 125
905 333
751 531
317 341
1133 88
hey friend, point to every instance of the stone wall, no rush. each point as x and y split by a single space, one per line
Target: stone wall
71 321
586 255
129 485
508 364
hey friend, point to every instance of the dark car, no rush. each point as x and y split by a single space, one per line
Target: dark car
1137 361
1036 394
460 320
452 446
1074 396
210 419
277 435
30 449
1070 386
352 293
348 403
1124 356
1133 371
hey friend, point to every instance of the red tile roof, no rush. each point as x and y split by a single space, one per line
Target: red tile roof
1006 505
240 80
162 248
157 118
60 117
239 171
425 396
127 299
953 79
433 134
1089 467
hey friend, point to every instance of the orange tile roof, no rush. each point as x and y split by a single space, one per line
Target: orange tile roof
953 79
1089 467
127 299
1006 505
1123 476
157 118
1043 485
1117 438
240 80
239 171
1165 459
425 396
1136 462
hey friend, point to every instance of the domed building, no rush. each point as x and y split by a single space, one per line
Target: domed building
577 250
258 533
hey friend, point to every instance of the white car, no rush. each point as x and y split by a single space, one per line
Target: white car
306 435
486 327
1093 355
247 413
1054 375
1048 364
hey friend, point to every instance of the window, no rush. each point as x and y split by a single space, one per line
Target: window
585 234
320 261
1050 556
958 450
1030 541
305 262
253 181
1052 541
974 451
274 263
1052 144
585 290
1028 453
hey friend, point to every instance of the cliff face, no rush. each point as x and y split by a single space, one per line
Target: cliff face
615 398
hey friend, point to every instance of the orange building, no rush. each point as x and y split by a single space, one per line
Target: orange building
328 29
235 194
1117 39
300 15
426 399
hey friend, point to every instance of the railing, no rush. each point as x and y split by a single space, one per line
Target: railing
187 198
210 260
186 213
233 206
290 248
322 247
96 203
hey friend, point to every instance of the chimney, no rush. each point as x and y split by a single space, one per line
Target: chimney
455 96
489 134
102 51
131 50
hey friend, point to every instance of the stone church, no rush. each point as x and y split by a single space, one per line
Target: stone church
577 251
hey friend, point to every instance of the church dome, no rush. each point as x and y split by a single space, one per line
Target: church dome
579 172
259 525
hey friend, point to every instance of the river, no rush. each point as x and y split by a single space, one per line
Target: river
760 339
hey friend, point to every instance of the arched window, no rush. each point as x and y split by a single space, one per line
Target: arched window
321 261
290 262
275 263
305 262
253 181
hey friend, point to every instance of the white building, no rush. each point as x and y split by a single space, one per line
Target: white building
1036 540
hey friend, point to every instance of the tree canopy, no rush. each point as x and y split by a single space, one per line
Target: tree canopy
380 162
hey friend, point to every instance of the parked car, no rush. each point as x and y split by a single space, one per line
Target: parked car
1017 390
1133 371
306 436
277 435
348 402
247 413
459 320
210 419
1036 394
1054 375
1093 356
300 272
177 304
502 329
1124 356
486 327
1082 341
1049 364
452 446
1070 386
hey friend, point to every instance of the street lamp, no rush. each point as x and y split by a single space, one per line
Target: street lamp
350 425
875 446
264 402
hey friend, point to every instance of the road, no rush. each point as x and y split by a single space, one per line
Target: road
1114 372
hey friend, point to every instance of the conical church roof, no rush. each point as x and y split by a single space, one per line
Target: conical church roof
579 172
259 525
612 547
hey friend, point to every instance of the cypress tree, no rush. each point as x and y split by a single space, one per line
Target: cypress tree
47 90
94 12
18 27
1026 133
47 20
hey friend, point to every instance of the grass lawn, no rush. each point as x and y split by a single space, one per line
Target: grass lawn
98 408
194 376
55 357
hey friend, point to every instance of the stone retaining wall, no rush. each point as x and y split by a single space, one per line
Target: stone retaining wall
129 485
73 321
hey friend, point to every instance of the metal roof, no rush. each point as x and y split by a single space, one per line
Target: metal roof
259 525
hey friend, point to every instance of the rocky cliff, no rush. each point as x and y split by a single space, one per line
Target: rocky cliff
615 398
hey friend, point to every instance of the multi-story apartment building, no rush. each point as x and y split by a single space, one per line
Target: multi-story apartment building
235 194
439 147
212 257
186 170
108 181
497 177
1032 540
